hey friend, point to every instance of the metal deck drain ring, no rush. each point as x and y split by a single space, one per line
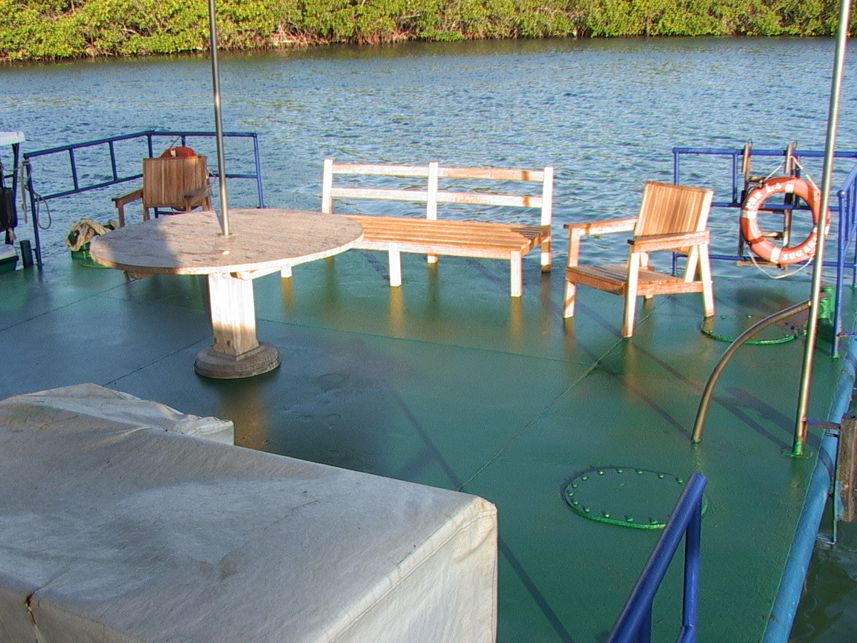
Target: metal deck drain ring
790 333
625 496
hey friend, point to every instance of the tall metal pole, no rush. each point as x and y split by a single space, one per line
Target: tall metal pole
218 120
830 146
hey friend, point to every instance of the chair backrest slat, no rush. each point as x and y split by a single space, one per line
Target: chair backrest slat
166 181
668 208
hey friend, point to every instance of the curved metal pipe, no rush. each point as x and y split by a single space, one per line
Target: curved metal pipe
708 393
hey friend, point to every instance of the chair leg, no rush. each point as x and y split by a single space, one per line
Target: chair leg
707 282
631 296
395 260
568 306
516 274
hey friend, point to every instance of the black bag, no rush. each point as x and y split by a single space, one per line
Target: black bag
8 215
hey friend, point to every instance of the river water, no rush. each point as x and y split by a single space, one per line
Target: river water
605 113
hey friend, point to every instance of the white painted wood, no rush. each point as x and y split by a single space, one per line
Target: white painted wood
233 314
395 261
516 274
326 187
481 239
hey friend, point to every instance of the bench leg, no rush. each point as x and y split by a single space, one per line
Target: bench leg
286 272
395 259
568 300
547 258
516 274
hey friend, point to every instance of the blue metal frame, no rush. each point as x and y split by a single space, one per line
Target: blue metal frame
844 214
79 187
635 621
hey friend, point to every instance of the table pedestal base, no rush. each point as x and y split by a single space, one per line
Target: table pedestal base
210 363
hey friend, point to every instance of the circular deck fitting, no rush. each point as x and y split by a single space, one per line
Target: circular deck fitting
726 328
624 496
216 365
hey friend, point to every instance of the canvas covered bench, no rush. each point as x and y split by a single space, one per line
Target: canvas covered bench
118 524
433 236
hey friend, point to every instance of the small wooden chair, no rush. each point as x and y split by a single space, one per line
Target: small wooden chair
672 217
180 183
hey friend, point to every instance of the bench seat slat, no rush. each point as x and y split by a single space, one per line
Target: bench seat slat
455 231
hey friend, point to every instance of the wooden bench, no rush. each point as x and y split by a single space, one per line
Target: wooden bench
432 236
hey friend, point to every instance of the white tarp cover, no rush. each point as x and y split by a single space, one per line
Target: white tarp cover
114 529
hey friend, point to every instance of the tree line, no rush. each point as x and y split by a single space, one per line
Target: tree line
63 29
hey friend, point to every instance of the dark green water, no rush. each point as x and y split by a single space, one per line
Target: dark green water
605 113
828 611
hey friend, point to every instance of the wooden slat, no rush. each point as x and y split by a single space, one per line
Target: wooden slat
418 235
483 198
381 194
434 237
168 181
496 174
380 170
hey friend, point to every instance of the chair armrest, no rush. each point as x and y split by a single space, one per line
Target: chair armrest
576 231
125 199
607 226
121 201
651 243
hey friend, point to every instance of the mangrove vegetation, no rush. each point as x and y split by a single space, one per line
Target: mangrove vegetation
60 29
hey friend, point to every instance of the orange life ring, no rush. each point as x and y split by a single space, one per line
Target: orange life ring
180 151
754 236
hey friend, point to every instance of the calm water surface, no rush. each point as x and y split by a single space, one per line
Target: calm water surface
605 113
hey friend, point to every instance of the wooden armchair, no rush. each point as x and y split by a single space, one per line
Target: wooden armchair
180 183
672 217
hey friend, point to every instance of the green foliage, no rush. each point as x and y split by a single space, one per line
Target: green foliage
55 29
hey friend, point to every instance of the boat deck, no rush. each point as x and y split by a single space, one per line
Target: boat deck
448 381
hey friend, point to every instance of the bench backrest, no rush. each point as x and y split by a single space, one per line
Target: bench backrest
432 195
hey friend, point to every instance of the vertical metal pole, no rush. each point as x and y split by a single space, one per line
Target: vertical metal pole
818 267
218 120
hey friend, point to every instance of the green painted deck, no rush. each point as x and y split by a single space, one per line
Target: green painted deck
449 382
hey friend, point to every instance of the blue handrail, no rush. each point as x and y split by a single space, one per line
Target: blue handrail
843 219
635 621
79 184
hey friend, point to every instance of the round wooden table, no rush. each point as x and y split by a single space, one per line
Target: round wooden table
261 241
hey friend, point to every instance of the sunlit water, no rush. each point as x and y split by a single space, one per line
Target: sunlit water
606 114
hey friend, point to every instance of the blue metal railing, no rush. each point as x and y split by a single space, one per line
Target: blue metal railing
635 621
75 183
843 220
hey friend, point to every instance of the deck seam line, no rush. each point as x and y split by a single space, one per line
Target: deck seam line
537 417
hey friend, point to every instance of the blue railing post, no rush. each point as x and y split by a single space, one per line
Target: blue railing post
635 621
